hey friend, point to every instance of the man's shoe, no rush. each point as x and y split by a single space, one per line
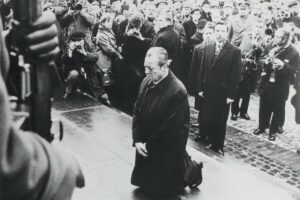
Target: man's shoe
234 117
258 131
245 116
280 130
199 179
217 150
272 137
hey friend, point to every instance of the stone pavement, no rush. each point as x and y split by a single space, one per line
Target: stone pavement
100 138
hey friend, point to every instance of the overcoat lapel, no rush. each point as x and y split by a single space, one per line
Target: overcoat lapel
211 53
221 54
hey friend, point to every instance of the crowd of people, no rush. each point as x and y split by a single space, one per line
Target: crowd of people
104 44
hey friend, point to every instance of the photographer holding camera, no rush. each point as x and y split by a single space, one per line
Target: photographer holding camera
80 70
280 65
80 17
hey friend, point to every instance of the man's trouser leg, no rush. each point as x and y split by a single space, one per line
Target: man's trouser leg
245 104
265 111
278 115
235 106
71 81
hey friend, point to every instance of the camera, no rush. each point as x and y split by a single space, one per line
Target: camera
135 34
269 32
77 5
78 46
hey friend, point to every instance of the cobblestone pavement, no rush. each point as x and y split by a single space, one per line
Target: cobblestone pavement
278 159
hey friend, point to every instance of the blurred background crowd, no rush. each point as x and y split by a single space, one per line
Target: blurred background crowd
104 42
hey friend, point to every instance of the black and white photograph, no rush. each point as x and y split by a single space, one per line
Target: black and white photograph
150 100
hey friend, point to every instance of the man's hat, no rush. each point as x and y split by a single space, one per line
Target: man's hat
194 10
201 24
228 5
157 2
243 3
205 2
292 3
113 1
109 9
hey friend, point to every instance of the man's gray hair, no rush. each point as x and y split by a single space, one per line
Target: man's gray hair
167 16
286 32
161 54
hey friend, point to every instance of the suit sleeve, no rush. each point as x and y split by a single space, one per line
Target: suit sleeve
149 35
200 77
289 68
194 71
235 76
136 130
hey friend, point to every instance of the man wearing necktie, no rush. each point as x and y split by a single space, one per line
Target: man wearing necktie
220 73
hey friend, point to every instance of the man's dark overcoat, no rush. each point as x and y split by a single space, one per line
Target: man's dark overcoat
169 39
194 74
161 120
280 88
273 95
219 80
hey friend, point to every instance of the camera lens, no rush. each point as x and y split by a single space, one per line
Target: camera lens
78 7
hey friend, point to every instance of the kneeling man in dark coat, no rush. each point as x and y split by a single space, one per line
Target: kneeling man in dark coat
160 131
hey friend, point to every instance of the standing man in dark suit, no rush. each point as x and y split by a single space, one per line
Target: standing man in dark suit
190 28
168 39
275 83
219 80
208 37
251 49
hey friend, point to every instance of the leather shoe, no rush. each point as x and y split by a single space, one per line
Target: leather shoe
280 130
258 131
272 137
245 116
219 151
234 117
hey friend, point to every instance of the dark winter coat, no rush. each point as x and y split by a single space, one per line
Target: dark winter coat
161 120
280 88
219 78
195 73
169 39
